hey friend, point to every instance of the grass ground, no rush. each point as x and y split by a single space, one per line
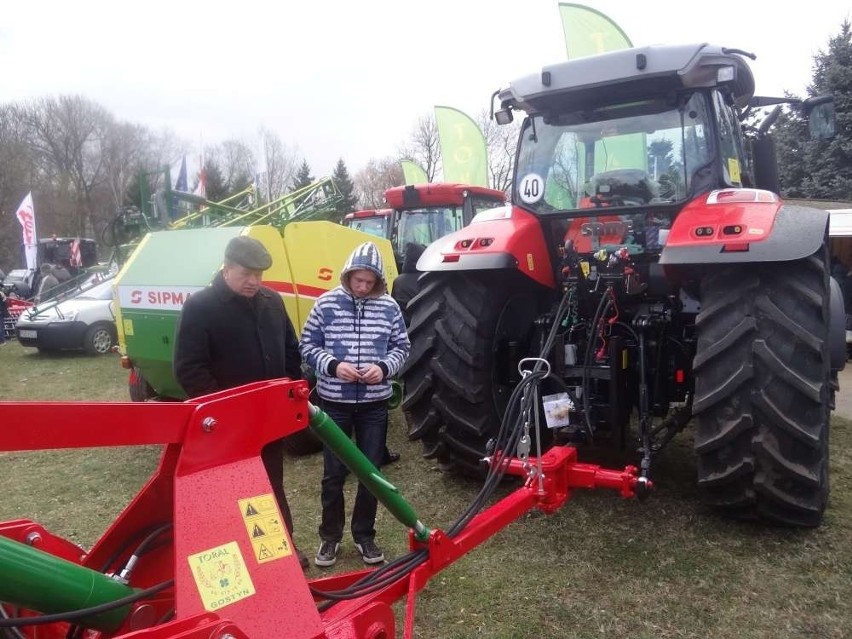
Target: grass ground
601 567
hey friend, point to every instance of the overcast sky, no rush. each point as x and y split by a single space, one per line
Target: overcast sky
349 79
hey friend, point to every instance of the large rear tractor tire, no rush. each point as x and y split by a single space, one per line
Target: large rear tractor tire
467 332
763 390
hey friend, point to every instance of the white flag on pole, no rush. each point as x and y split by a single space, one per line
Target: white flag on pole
26 216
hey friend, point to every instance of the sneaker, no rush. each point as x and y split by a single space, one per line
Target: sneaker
327 553
370 552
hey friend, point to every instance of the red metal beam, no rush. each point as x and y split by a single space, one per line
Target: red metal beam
231 558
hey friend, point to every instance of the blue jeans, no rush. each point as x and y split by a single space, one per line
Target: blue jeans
368 422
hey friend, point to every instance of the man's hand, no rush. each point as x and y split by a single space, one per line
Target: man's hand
348 373
371 374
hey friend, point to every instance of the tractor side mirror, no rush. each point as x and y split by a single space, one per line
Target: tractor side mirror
822 120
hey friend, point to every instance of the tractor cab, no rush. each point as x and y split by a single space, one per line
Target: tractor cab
617 159
373 221
424 213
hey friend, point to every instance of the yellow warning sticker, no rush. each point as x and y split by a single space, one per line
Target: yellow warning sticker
530 262
221 576
734 170
265 528
128 327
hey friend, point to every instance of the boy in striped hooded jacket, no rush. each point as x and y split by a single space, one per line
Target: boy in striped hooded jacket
355 340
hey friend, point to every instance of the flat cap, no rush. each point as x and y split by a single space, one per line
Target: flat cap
248 253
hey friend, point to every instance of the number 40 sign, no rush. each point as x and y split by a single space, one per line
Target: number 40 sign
531 188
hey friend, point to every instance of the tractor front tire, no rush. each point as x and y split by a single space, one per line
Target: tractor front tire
763 390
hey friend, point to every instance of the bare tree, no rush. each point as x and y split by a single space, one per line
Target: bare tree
19 174
125 149
278 162
372 181
502 143
68 134
237 162
423 146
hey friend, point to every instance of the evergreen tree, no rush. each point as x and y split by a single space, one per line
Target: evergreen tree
791 134
821 169
217 190
133 191
830 161
303 177
344 184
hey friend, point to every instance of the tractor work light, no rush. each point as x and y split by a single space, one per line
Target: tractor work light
503 116
725 74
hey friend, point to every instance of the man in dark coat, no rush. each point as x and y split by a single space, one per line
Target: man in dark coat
237 331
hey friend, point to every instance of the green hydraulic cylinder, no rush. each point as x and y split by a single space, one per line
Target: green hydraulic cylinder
41 582
342 446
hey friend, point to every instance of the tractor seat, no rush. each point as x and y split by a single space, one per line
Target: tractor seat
620 187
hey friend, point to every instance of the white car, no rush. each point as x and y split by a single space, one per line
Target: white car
84 322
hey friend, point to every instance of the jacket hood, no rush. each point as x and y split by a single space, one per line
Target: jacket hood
365 257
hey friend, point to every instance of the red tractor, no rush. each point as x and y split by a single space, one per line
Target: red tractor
418 215
648 265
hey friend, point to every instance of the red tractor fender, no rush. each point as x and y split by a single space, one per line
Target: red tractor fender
743 225
502 238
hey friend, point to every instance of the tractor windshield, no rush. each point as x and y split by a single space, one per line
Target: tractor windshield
424 226
624 155
376 225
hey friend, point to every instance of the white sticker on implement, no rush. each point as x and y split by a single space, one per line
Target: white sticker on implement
162 298
531 188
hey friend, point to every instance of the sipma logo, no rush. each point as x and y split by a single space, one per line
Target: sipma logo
152 297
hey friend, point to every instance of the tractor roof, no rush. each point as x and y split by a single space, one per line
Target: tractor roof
368 213
436 194
630 74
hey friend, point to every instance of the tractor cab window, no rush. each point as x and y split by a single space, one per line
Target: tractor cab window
730 142
377 226
622 155
424 226
484 203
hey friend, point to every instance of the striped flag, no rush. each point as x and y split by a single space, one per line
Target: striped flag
26 217
76 259
201 189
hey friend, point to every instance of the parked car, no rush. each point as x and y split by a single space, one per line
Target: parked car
84 322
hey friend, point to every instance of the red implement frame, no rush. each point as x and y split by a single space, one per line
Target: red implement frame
210 467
